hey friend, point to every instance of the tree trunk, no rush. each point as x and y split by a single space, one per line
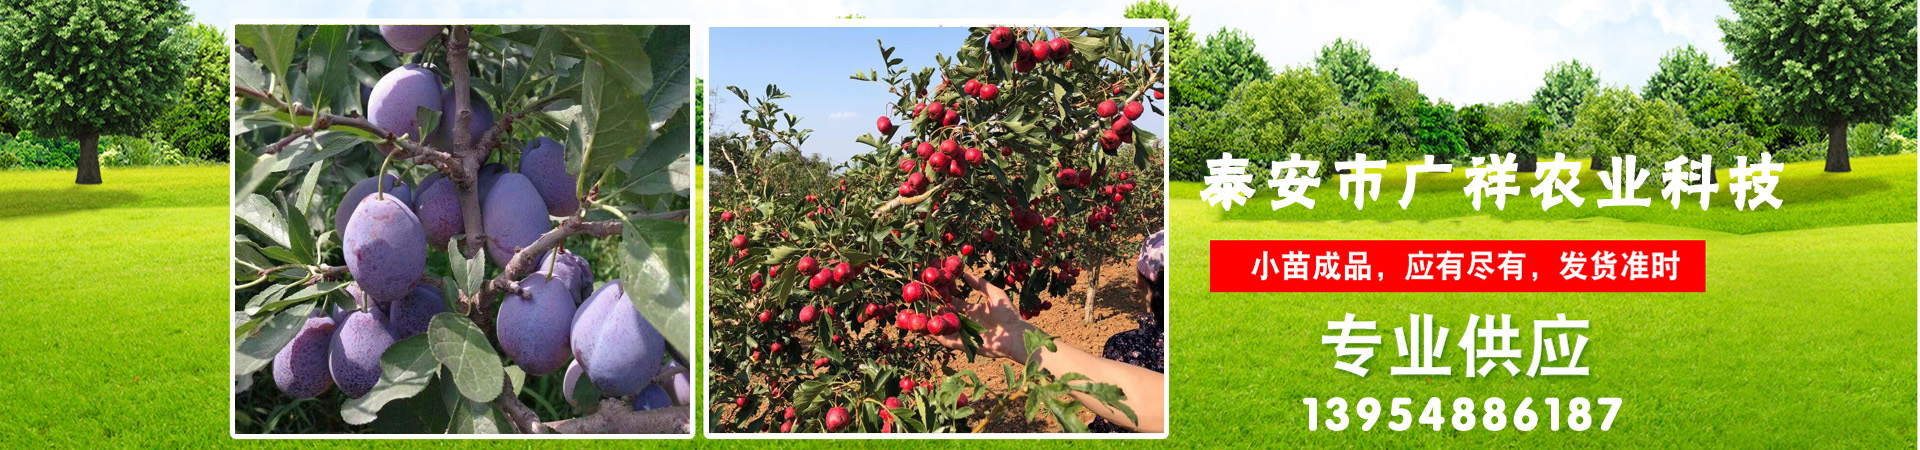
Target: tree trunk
1837 148
88 161
1093 285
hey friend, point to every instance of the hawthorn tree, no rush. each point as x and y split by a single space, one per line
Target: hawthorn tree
1014 160
86 68
1827 63
595 119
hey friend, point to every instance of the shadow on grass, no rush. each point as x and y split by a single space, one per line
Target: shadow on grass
20 203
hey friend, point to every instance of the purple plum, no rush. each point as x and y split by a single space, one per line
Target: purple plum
386 248
397 99
301 367
513 217
544 162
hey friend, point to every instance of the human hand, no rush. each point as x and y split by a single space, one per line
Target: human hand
1003 331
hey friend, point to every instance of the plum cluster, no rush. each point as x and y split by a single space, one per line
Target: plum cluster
552 320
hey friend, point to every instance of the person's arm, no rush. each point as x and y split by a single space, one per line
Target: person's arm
1004 337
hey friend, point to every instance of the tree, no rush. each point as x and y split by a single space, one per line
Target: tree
195 123
1228 60
1685 76
1336 135
1396 104
1827 63
1564 88
1439 131
1275 110
1179 38
1350 65
1616 122
84 68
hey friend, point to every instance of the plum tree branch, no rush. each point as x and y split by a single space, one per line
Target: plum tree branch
527 259
394 145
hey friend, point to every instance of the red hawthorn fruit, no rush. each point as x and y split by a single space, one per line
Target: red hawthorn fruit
906 384
1023 65
740 241
808 266
930 276
1049 222
807 314
900 319
789 415
962 401
952 119
972 87
1125 175
842 273
937 161
906 189
911 293
1042 51
726 216
1159 95
919 108
755 282
821 362
989 92
812 199
1121 125
988 235
1023 51
1133 110
1117 198
742 255
973 156
740 402
1000 38
766 316
966 249
956 169
872 309
954 264
938 326
837 418
925 148
917 323
755 356
1020 267
774 348
836 339
907 165
1067 177
1006 151
1107 108
952 319
885 124
1109 139
947 237
819 281
935 110
1060 47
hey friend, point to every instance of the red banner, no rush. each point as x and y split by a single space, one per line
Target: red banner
1458 266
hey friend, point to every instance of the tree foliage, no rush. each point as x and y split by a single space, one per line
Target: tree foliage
1349 65
1179 36
1827 63
195 123
1209 77
1685 76
84 68
1276 110
1564 88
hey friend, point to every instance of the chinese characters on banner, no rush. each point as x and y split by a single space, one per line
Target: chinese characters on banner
1484 345
1492 179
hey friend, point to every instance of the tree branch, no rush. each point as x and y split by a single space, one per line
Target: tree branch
527 260
394 145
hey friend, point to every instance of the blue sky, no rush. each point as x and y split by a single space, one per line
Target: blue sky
813 65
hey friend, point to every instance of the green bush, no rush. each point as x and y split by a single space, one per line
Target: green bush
1872 139
32 152
1199 135
122 151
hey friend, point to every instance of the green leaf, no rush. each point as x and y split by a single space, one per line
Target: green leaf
260 215
300 236
613 123
405 370
650 278
470 360
663 167
273 44
621 49
330 83
267 336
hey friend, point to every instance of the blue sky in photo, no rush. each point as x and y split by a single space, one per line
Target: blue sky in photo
814 67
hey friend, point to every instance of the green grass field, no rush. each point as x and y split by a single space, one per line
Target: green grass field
114 327
1804 338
